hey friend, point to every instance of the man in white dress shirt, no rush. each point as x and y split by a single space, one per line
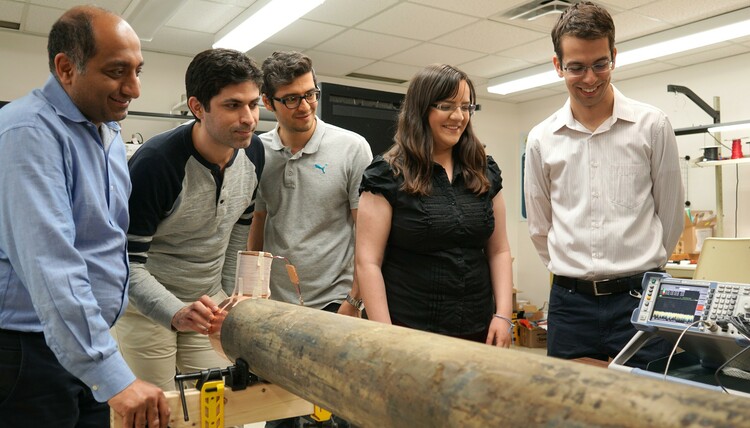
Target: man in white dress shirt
603 193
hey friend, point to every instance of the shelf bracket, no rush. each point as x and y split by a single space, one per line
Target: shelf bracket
715 114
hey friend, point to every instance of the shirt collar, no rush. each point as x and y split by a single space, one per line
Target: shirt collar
622 110
313 144
64 106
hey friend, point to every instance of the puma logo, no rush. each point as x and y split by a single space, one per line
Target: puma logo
322 168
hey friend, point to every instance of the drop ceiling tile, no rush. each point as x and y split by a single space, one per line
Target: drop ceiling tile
348 12
488 37
537 52
305 34
680 12
631 25
117 6
615 5
478 8
365 44
204 16
11 11
415 22
329 64
39 19
428 53
390 69
492 65
478 81
240 3
179 41
264 50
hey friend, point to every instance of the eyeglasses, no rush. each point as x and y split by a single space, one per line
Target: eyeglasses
450 108
578 70
293 101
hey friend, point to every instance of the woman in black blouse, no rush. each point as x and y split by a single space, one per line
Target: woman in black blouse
432 252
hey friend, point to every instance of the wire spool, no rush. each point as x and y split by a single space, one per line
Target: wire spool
711 153
737 149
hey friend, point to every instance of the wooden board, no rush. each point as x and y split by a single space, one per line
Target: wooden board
257 403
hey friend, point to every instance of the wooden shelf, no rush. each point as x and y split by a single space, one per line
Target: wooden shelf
722 162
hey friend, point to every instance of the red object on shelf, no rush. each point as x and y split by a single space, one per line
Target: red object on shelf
737 149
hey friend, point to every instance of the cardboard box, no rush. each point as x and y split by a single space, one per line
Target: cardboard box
695 231
535 337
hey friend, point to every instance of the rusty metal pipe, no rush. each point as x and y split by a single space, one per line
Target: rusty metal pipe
377 375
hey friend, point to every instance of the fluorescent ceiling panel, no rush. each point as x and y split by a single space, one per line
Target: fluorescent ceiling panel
261 22
731 126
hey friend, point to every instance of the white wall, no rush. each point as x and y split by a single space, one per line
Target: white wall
502 127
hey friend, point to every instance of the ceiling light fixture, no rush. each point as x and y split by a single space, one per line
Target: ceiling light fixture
679 39
730 126
261 21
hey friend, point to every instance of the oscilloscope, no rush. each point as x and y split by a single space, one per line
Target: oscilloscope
670 307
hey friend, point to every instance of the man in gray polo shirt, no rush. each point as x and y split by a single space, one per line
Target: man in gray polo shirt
307 198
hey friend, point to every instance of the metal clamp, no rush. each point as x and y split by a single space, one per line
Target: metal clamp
237 377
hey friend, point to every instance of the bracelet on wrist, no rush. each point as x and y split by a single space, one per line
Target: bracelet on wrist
357 303
510 329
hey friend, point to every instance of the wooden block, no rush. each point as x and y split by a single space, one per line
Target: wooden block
592 362
257 403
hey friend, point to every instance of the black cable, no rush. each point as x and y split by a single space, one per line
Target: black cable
677 343
741 326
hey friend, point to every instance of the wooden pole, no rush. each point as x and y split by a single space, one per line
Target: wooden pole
377 375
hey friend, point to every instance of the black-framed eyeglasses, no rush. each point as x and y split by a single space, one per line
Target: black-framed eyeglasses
578 70
450 108
293 101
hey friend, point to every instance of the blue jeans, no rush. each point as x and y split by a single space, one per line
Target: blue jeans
36 391
598 327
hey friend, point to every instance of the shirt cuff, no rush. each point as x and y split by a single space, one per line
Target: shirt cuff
109 377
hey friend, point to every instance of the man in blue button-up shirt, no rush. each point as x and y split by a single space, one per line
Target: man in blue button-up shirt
63 222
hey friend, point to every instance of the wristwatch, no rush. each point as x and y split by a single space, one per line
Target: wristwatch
357 303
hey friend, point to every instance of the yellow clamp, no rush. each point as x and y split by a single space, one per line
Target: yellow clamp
212 404
320 414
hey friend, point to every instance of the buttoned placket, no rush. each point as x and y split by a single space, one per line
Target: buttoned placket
596 180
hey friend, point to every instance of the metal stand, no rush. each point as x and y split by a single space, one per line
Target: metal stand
690 374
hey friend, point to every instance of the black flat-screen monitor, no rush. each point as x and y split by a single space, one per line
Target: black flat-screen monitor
371 113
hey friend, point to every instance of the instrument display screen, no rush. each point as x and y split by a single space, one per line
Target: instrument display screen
680 303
